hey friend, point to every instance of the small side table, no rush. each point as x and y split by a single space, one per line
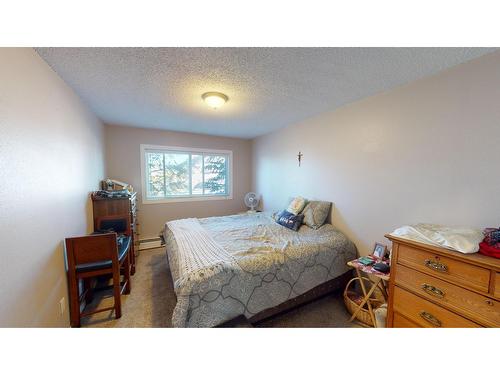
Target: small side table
379 278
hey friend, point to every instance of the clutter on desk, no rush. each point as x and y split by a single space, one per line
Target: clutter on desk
113 194
114 185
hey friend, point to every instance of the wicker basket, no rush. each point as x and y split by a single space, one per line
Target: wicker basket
350 295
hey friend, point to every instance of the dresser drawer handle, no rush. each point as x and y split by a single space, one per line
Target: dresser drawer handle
436 266
430 318
433 291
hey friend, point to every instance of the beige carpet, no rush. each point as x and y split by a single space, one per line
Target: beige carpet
152 300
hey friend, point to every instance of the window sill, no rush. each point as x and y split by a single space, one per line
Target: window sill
187 199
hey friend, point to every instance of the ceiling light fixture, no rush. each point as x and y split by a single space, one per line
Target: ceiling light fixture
214 99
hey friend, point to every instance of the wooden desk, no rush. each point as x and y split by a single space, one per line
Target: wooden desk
103 206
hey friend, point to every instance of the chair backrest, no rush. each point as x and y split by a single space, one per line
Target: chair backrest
117 223
89 249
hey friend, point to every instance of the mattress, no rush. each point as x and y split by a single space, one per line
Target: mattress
263 265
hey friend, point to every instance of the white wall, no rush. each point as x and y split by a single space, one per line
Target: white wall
426 152
51 157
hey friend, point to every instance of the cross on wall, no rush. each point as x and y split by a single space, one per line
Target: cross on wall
299 157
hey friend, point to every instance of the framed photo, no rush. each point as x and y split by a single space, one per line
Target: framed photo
379 250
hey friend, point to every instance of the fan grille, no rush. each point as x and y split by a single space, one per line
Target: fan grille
251 200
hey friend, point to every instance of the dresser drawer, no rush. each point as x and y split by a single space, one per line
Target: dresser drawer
449 269
497 285
399 321
426 313
473 305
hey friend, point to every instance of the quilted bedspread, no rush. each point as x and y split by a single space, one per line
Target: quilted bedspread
258 265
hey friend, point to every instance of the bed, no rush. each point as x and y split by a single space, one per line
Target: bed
246 264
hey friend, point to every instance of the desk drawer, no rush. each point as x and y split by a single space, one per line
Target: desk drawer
474 305
426 313
449 269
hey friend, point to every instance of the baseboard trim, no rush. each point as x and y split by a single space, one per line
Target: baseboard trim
149 243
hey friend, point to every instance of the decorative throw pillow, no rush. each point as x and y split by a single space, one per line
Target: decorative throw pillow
316 213
297 205
289 220
275 215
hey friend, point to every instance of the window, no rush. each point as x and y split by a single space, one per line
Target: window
173 174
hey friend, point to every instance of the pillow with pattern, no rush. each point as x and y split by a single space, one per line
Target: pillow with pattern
316 213
289 220
297 205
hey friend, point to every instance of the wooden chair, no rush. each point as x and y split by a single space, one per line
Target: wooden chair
96 255
121 225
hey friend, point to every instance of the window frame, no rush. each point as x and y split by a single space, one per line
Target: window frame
191 198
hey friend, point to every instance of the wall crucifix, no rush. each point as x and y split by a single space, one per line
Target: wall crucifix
299 157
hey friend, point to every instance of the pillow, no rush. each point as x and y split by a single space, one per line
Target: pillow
297 205
316 213
289 220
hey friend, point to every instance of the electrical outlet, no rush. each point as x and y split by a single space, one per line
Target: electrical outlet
62 305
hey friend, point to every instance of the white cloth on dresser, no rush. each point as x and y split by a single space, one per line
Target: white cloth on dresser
464 240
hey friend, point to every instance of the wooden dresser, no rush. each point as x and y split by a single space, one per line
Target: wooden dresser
103 206
434 287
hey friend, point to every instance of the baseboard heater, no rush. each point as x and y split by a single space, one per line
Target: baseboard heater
149 243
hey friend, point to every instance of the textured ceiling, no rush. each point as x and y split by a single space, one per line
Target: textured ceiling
268 88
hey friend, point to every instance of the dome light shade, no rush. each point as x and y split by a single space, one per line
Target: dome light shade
214 99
